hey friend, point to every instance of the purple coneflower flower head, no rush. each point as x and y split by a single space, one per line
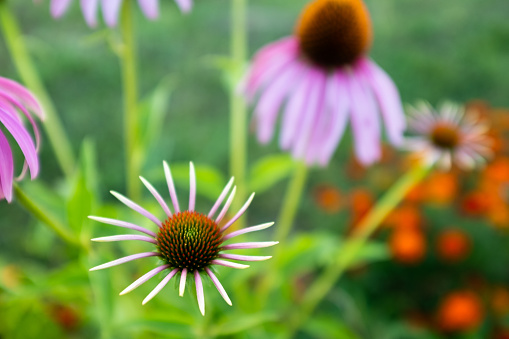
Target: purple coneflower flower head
449 136
322 79
188 243
111 9
17 103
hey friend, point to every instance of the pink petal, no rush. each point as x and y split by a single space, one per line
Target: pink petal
89 9
246 245
111 10
199 292
226 206
160 286
182 287
144 278
25 96
125 259
123 224
239 213
171 187
218 285
150 8
248 230
192 187
135 207
229 264
124 237
158 197
59 7
244 257
221 198
185 5
6 169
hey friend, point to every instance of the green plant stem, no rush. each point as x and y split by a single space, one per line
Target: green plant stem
326 281
130 81
45 217
238 108
28 73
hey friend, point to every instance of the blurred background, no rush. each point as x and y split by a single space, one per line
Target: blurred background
445 272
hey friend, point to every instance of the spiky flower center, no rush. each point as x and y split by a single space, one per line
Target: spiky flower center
334 33
189 240
445 136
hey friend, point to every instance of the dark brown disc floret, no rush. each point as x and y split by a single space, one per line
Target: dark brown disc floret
445 136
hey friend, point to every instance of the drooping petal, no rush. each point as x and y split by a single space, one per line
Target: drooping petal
158 197
226 205
111 10
6 168
221 198
171 187
160 286
89 9
123 224
199 292
135 207
24 96
218 285
182 287
239 213
22 137
59 7
144 278
248 230
124 237
150 8
185 5
125 259
246 245
192 187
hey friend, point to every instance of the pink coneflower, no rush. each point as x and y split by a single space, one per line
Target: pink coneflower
187 242
15 102
326 79
111 9
448 136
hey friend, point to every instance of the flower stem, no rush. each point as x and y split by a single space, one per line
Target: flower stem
365 229
130 81
28 73
238 109
45 217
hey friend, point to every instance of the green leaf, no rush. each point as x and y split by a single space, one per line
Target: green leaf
269 171
240 323
332 326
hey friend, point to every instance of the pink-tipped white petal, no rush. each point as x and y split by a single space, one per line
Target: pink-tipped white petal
221 198
111 10
89 9
171 187
192 187
125 259
160 286
239 213
6 168
229 264
248 230
135 207
125 237
59 7
158 197
218 285
244 257
226 206
123 224
199 292
144 278
185 5
246 245
150 8
182 287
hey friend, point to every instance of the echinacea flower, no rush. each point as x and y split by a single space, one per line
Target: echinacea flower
111 9
15 102
187 242
326 79
448 136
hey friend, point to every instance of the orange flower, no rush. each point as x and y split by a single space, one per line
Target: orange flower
453 245
361 201
441 188
406 216
500 301
460 311
328 198
475 203
499 215
407 245
497 171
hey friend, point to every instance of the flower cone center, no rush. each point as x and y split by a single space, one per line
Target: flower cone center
189 240
334 33
444 136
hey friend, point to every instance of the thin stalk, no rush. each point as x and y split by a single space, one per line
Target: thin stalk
366 228
21 58
130 81
45 217
238 108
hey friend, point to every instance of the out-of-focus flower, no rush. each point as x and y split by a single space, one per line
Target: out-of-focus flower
187 242
17 102
325 77
441 188
405 217
328 198
361 201
460 311
448 136
66 316
500 301
407 245
475 203
453 245
111 9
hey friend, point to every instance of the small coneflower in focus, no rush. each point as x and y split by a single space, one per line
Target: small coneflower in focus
460 311
453 245
188 243
111 9
407 245
448 136
326 80
16 104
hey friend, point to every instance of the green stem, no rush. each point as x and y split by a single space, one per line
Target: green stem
238 109
368 225
130 81
45 217
28 73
